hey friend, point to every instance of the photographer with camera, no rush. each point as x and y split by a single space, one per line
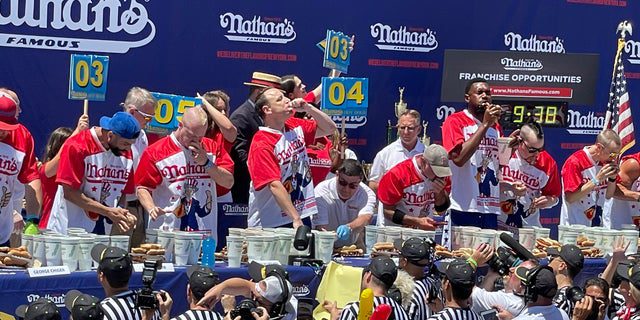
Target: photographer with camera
566 262
592 301
270 290
510 298
457 282
201 280
114 271
631 273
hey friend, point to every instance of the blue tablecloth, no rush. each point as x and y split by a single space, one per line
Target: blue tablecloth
18 288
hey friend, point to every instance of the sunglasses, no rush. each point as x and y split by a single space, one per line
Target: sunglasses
146 116
531 149
352 185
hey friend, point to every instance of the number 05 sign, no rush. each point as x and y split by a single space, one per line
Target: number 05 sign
345 96
88 77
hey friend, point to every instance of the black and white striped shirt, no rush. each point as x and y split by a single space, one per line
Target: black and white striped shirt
418 308
199 315
562 302
450 313
350 311
122 306
617 303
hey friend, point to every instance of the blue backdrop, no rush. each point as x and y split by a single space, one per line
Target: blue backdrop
187 47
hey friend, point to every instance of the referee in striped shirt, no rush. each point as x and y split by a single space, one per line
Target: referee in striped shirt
201 279
458 280
378 276
114 271
416 254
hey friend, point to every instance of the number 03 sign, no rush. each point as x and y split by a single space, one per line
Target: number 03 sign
336 54
88 77
345 96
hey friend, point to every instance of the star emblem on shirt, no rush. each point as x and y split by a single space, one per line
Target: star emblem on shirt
94 189
179 187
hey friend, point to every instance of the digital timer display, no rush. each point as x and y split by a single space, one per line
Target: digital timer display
547 114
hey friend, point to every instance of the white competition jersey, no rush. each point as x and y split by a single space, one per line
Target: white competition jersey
579 169
624 210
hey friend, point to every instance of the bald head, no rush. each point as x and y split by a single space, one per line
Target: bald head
608 138
194 118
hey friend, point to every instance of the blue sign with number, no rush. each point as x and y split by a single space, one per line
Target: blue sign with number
169 111
88 77
345 96
336 52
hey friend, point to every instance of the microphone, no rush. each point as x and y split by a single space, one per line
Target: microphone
519 250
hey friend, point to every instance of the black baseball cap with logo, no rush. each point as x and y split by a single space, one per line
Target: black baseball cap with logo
83 306
630 272
571 254
201 279
41 309
545 283
383 268
416 250
259 272
114 262
459 272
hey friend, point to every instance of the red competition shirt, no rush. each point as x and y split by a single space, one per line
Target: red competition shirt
408 190
17 166
221 141
179 185
624 210
49 189
578 170
319 160
475 186
99 174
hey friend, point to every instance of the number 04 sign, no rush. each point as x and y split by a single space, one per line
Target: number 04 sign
345 96
88 77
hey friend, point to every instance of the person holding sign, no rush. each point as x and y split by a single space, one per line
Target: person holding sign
96 172
177 177
281 190
19 167
470 137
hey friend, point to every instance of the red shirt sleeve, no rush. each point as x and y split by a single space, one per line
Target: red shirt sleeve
29 170
147 175
553 187
223 159
310 97
452 136
389 191
71 166
571 176
130 187
263 165
308 128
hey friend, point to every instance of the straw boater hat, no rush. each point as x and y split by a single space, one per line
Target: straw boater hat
264 80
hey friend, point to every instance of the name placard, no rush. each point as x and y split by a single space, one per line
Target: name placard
48 271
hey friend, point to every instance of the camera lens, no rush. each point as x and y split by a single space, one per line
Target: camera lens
575 294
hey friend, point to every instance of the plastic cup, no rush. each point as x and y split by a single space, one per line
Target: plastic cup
120 241
392 234
504 152
27 241
236 232
542 232
166 240
629 227
196 246
483 236
39 250
234 251
371 237
182 247
73 231
382 234
69 252
597 234
255 247
561 231
631 237
270 245
151 236
85 245
101 239
569 237
282 249
526 237
53 251
456 241
324 245
608 239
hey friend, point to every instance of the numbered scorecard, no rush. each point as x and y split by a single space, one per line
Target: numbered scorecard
88 77
345 96
169 111
336 52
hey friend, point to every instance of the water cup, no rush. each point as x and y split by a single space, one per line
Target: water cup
526 237
234 251
393 233
282 249
236 232
69 252
504 152
382 234
324 245
166 240
120 241
39 250
270 245
631 237
151 236
255 247
483 236
53 251
27 242
542 232
181 248
561 231
371 237
85 245
196 247
569 237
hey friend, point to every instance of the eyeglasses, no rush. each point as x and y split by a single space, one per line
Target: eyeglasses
409 128
146 116
531 149
352 185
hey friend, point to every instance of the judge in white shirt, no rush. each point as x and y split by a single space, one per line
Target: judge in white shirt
345 204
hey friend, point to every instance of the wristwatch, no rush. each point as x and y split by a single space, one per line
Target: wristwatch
208 165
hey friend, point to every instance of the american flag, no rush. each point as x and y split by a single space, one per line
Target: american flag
618 115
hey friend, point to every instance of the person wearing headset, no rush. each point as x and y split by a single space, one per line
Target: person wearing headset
540 288
270 288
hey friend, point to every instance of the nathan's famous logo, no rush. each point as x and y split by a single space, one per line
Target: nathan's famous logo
257 29
590 124
521 64
535 43
443 111
351 122
58 299
403 38
91 21
632 48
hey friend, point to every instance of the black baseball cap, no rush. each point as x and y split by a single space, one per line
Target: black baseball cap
630 273
201 279
41 309
383 268
571 254
83 306
414 250
114 262
459 272
544 283
259 272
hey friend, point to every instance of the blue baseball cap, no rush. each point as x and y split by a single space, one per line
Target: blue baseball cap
122 124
